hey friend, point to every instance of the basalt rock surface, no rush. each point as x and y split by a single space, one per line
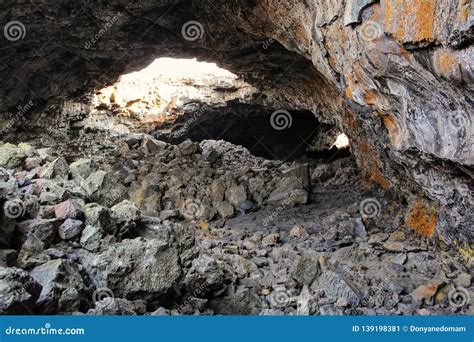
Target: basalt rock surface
395 76
208 229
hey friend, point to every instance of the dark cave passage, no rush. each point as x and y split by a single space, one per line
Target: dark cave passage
265 132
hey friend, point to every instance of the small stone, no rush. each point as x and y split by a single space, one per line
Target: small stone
270 240
236 194
424 312
244 206
298 232
225 209
70 209
249 245
464 280
343 302
167 214
125 211
80 169
91 238
97 215
8 257
70 229
153 146
132 140
188 147
399 259
211 155
424 292
217 190
305 268
392 246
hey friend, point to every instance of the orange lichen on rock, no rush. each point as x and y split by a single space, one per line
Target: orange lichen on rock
392 128
464 6
410 20
444 61
370 165
422 218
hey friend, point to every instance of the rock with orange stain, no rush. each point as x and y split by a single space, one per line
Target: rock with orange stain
370 165
424 293
410 21
422 217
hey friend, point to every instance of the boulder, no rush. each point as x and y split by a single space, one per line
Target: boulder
91 238
289 192
44 229
58 278
57 169
32 253
70 229
124 215
80 169
135 268
70 209
18 292
305 268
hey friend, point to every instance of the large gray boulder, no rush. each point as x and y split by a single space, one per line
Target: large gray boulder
62 286
135 268
18 292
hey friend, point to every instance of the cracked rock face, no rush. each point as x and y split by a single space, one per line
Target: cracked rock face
395 76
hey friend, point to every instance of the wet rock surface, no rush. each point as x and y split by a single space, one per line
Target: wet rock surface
207 228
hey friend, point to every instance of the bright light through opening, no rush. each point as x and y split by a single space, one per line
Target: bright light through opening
164 87
178 69
342 141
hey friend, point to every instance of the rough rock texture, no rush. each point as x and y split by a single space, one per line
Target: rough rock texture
203 232
395 76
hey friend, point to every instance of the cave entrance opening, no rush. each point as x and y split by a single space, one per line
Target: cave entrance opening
180 99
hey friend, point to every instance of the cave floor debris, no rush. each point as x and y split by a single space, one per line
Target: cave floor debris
207 228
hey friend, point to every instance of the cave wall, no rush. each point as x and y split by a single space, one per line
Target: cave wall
395 75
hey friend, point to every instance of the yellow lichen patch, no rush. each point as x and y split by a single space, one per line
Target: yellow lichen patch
468 254
392 128
422 218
